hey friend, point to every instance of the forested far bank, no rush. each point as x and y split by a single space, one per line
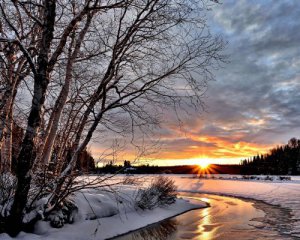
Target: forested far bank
281 160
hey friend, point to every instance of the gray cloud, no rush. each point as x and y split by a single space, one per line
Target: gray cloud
262 79
256 96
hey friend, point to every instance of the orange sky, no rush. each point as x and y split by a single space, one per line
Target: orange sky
208 149
222 152
252 106
198 140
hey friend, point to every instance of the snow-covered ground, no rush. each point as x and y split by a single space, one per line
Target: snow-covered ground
285 194
103 215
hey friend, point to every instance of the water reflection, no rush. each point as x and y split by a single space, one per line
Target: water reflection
204 227
159 231
227 218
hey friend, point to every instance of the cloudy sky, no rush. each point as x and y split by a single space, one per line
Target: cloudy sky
254 104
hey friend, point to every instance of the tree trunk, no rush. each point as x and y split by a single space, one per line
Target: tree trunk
61 100
52 134
27 153
6 148
13 76
4 102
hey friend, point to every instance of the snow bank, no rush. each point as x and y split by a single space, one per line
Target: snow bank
105 214
284 194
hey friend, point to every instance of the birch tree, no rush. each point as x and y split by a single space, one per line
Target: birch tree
92 64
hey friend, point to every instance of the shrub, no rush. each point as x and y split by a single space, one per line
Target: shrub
7 190
162 191
131 181
64 213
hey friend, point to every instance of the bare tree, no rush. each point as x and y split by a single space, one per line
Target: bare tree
95 65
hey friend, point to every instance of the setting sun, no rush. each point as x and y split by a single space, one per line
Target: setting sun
203 164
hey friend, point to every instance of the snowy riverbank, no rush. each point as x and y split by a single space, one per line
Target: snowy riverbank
104 214
284 194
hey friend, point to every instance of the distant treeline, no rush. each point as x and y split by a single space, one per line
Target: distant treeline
184 169
282 160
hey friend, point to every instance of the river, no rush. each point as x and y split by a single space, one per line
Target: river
227 218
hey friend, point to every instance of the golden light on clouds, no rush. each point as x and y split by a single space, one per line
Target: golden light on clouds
242 118
198 150
257 122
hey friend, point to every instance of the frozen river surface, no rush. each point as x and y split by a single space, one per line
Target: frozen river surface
227 218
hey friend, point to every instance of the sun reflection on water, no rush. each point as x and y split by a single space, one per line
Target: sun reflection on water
204 228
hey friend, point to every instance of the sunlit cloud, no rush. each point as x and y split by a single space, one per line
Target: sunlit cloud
254 103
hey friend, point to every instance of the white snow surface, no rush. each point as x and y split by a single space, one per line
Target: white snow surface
104 214
116 215
285 194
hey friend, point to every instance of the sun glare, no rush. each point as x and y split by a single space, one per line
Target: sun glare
203 165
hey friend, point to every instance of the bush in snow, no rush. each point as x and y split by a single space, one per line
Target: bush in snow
64 213
282 178
7 186
7 190
131 180
162 191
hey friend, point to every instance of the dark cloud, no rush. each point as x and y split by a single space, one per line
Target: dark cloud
262 79
255 99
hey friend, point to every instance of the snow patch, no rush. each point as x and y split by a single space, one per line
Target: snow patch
105 214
